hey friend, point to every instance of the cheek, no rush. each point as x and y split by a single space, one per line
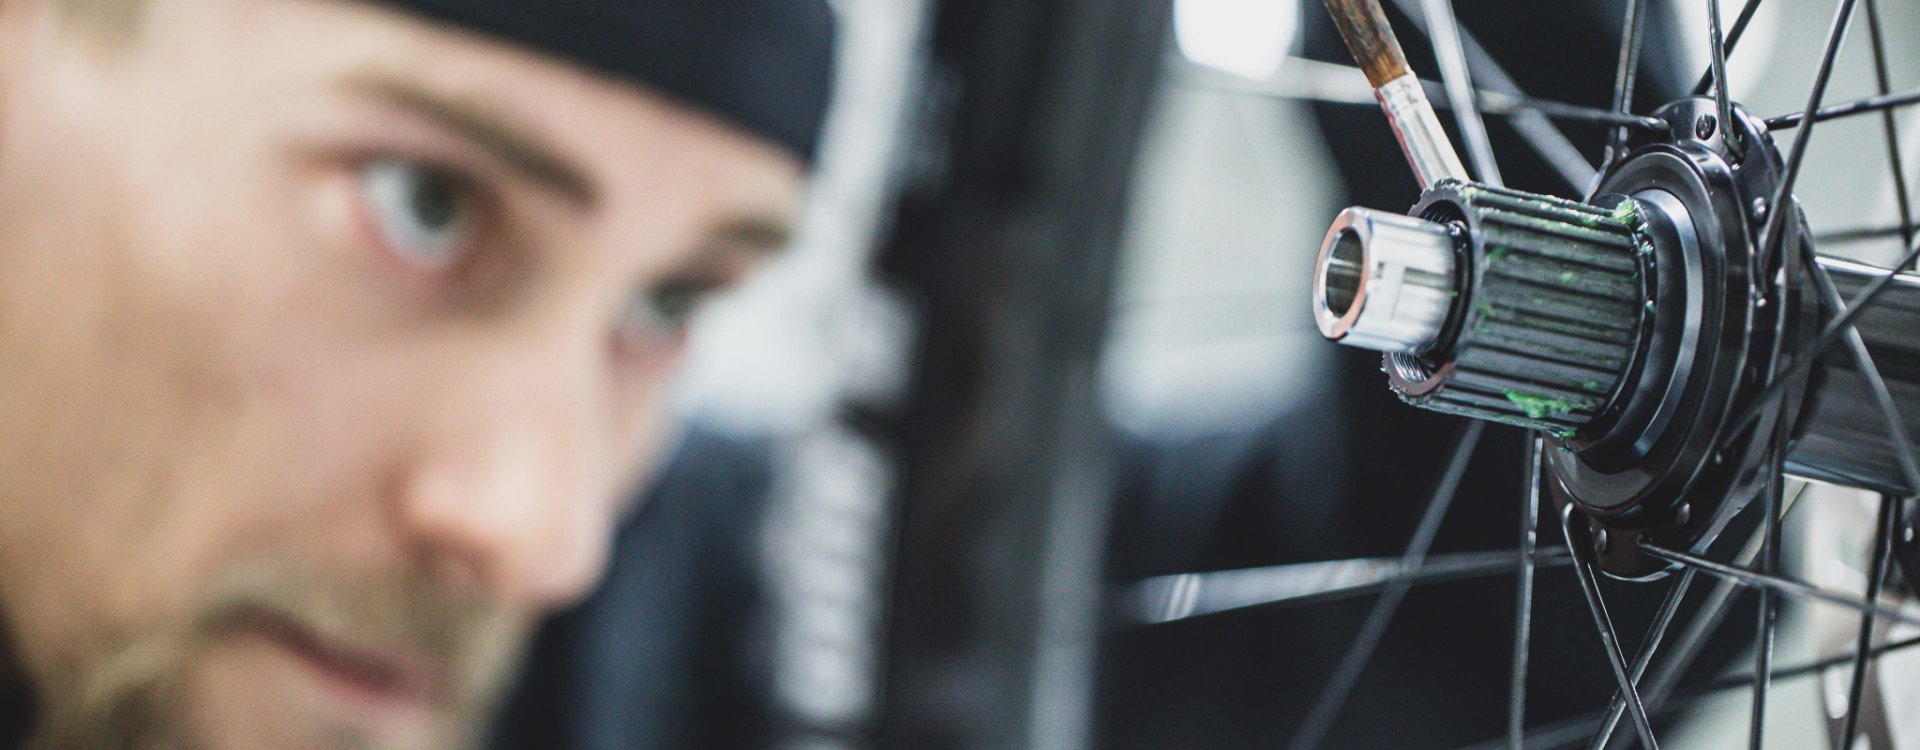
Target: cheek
169 402
646 424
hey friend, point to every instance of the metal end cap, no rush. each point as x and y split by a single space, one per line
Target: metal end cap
1385 281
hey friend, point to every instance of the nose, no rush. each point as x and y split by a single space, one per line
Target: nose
513 492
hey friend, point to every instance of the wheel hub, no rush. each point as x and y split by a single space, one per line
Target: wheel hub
1628 329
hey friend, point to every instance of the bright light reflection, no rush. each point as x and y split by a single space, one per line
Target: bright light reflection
1243 37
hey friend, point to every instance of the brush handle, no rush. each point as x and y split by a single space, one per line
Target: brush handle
1370 38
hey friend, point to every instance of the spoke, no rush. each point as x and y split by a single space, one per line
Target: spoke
1648 649
1888 124
1539 132
1876 384
1769 618
1881 103
1572 731
1624 75
1780 210
1733 38
1779 584
1335 83
1334 695
1523 608
1706 621
1164 599
1736 682
1590 586
1722 102
1832 333
1444 30
1502 104
1876 576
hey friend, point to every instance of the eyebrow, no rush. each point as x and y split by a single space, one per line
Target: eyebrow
489 131
765 234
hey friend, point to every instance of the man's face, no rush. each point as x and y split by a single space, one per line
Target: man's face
330 343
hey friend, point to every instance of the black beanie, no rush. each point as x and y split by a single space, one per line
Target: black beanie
764 65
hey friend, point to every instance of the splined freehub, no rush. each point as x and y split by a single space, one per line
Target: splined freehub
1556 302
1627 328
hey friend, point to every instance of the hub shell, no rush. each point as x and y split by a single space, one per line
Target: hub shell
1725 318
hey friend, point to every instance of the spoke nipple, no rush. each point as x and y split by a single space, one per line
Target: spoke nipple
1685 515
1602 541
1907 536
1703 128
1759 208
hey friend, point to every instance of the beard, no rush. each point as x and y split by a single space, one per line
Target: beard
137 694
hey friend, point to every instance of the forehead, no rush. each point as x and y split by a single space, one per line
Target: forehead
633 143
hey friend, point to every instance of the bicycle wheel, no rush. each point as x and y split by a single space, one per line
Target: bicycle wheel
1668 327
1673 337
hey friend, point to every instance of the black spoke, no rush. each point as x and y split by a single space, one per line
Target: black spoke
1769 617
1707 619
1573 731
1863 650
1334 83
1733 38
1832 333
1892 128
1502 104
1624 75
1876 384
1780 210
1539 132
1779 584
1443 29
1881 103
1736 682
1523 607
1648 649
1723 103
1164 599
1602 622
1334 695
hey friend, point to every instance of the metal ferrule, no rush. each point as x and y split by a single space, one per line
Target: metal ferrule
1384 281
1418 128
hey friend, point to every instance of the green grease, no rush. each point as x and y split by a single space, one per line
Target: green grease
1628 213
1541 407
1496 254
1591 385
1566 277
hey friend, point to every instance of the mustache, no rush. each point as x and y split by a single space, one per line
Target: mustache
411 611
128 695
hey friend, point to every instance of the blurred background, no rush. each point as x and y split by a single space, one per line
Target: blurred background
1048 335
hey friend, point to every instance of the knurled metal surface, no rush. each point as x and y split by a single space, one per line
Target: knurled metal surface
1553 313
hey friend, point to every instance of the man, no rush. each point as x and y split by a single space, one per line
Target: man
332 335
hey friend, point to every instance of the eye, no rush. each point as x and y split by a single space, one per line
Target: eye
423 215
663 311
